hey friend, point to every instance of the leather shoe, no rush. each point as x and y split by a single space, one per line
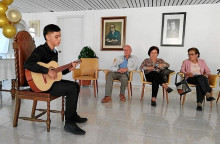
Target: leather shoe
78 119
169 90
199 108
106 99
74 129
153 103
122 98
210 98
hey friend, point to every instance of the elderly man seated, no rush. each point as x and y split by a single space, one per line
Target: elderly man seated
119 71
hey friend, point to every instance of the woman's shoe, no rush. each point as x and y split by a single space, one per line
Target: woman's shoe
153 103
169 90
210 98
199 108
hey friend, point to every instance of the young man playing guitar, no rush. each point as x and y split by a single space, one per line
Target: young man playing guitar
46 53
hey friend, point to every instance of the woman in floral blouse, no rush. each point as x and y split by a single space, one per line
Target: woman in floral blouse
152 67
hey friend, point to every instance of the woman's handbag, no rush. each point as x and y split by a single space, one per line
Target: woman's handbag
181 84
166 72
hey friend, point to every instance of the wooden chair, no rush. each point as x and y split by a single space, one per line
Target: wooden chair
88 71
147 82
23 46
219 85
12 90
212 83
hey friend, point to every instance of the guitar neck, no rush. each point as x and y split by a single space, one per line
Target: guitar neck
61 68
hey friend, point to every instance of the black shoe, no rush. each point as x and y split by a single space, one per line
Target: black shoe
78 119
153 103
199 108
169 90
210 99
74 129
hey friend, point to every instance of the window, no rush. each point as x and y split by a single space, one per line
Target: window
4 43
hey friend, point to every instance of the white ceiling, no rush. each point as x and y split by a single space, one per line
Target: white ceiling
35 6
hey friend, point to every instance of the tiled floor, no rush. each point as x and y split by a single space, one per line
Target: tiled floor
131 122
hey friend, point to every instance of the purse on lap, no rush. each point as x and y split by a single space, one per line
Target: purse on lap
166 72
181 84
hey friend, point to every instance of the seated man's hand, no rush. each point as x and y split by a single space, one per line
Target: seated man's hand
52 74
123 70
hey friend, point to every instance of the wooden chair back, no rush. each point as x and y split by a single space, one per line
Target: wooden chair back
88 66
23 47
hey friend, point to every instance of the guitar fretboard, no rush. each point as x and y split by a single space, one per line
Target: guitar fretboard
61 68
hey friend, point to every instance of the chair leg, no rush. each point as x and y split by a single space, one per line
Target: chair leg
129 91
97 86
34 108
62 110
142 93
184 96
218 97
167 97
48 116
211 101
94 85
163 91
17 111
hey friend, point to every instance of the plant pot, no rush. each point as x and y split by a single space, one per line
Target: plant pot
85 82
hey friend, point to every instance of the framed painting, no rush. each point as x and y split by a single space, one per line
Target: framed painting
34 28
173 29
113 33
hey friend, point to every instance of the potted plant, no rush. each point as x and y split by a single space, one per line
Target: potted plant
86 52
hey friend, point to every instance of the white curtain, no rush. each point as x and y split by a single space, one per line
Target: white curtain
4 43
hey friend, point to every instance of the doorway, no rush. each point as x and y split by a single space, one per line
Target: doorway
71 40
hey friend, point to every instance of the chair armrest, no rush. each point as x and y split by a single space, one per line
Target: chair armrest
76 73
213 79
131 75
169 78
106 71
141 75
182 74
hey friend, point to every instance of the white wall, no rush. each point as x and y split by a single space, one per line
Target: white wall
144 30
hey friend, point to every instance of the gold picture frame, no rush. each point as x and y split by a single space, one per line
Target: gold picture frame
34 28
113 33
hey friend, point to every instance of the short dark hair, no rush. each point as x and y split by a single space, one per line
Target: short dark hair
50 28
153 48
195 50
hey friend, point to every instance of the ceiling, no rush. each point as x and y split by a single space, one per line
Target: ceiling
35 6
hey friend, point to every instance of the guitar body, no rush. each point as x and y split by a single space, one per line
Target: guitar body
42 82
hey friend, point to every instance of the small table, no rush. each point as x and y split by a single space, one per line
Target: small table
7 72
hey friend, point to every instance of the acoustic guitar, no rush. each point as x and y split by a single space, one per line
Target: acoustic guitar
39 82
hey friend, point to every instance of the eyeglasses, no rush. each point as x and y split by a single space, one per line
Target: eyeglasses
191 54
